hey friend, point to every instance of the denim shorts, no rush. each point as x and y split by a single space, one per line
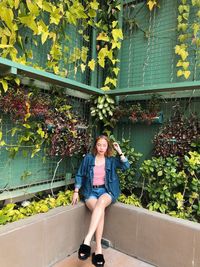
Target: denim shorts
97 192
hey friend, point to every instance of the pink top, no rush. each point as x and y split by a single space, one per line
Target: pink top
99 174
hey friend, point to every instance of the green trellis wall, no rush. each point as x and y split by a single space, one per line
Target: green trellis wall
148 55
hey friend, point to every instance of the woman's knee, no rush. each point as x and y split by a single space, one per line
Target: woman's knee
104 201
91 203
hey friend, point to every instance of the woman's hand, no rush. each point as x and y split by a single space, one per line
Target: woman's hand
117 148
75 198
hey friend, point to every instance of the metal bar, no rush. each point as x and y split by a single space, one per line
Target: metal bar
179 86
48 77
33 189
93 81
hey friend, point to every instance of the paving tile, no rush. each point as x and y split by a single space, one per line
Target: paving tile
112 257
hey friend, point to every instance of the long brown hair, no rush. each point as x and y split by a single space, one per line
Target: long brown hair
109 151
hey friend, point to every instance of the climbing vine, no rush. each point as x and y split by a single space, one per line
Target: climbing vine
49 24
189 38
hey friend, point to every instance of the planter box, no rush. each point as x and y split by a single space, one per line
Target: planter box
45 239
153 237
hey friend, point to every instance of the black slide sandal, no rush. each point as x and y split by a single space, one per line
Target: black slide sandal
98 260
85 251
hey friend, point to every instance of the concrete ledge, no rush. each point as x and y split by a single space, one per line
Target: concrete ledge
156 238
43 239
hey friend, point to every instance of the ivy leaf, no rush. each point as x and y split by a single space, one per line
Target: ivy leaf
4 84
195 28
41 132
14 130
17 80
7 16
29 21
32 7
91 64
1 134
44 37
184 64
103 37
105 88
116 44
110 54
83 66
17 4
46 6
117 34
179 73
92 13
180 50
86 38
83 55
114 23
71 18
55 17
110 80
26 125
2 46
182 27
94 5
151 4
183 37
186 74
116 71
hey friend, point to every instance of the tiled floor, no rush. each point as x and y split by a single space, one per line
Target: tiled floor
112 257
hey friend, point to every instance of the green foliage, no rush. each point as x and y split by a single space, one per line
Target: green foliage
40 122
171 187
127 178
130 200
48 24
13 212
177 136
102 108
188 36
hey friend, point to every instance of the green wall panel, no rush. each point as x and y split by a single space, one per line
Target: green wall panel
147 55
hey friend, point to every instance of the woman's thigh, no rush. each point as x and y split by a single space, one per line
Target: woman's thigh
104 200
91 203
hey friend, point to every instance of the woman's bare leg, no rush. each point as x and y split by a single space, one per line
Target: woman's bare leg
97 219
91 203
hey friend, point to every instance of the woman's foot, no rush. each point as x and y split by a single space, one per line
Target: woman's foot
98 260
84 251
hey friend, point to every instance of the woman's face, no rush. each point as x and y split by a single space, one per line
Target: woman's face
101 146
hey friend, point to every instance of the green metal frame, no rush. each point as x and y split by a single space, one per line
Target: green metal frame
35 188
166 87
9 67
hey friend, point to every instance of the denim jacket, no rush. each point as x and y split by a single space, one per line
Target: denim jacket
84 176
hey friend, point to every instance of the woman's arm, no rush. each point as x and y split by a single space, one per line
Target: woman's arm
123 163
78 181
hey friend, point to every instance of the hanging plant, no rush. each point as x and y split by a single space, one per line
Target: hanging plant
176 137
41 122
147 112
102 108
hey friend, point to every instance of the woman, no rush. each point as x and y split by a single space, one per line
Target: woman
99 185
